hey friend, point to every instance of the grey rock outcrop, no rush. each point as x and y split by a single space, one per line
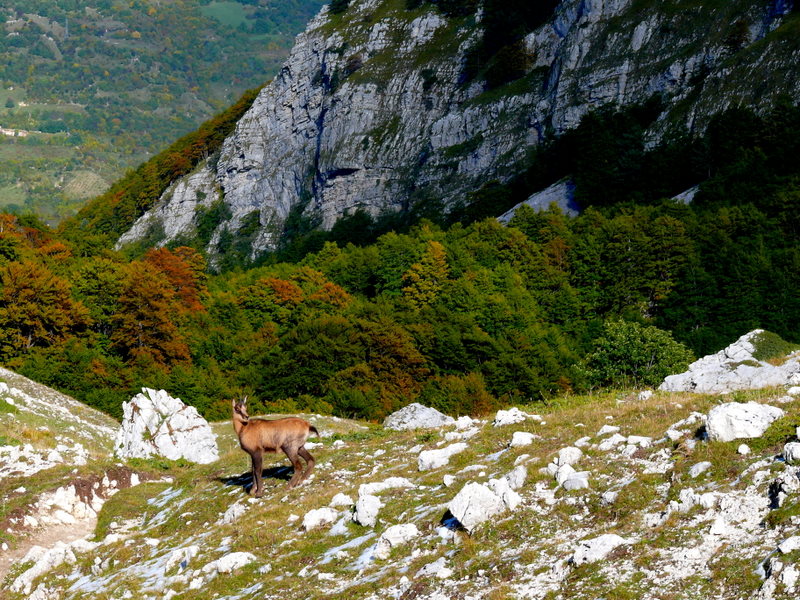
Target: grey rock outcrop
416 416
372 111
156 424
732 368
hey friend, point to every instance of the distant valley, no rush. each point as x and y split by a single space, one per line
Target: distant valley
88 91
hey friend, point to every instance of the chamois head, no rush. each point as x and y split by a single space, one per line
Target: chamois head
240 409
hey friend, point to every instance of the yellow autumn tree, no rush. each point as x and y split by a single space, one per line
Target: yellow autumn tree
424 280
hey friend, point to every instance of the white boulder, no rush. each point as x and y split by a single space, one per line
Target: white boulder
433 459
318 517
395 535
577 481
612 442
606 429
589 551
743 449
156 424
381 486
502 488
791 452
44 561
341 500
438 568
512 416
733 420
416 416
367 508
516 477
790 544
229 562
699 468
522 438
568 456
474 504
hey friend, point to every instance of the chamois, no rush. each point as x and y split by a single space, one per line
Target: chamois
257 436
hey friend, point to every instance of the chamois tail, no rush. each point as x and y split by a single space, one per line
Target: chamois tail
314 429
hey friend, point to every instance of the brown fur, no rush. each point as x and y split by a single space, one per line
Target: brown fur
257 436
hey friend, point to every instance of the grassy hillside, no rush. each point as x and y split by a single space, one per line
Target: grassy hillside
161 538
90 90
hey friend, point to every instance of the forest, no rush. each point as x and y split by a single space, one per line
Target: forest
464 315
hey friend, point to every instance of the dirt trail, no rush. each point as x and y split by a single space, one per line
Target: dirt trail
47 538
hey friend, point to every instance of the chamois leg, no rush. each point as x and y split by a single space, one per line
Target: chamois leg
291 452
258 484
309 463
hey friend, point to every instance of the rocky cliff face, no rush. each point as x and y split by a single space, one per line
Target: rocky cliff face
371 110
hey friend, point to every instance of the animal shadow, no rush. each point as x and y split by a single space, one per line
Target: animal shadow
245 480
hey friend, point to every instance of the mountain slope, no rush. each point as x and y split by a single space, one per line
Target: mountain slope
379 108
668 528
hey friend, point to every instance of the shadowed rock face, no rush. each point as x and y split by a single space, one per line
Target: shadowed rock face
371 110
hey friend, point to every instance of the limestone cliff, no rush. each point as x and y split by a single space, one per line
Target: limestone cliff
372 110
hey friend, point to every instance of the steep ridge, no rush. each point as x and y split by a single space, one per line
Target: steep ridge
374 109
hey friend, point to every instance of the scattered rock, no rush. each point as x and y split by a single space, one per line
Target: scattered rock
568 456
416 416
512 416
502 489
743 449
644 395
367 508
382 486
699 468
433 459
395 535
341 500
791 452
233 513
733 420
612 442
589 551
640 440
474 504
516 478
438 568
607 429
229 563
577 481
522 438
154 423
318 517
790 544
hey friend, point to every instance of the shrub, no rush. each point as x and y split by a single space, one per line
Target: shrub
630 354
459 395
769 346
